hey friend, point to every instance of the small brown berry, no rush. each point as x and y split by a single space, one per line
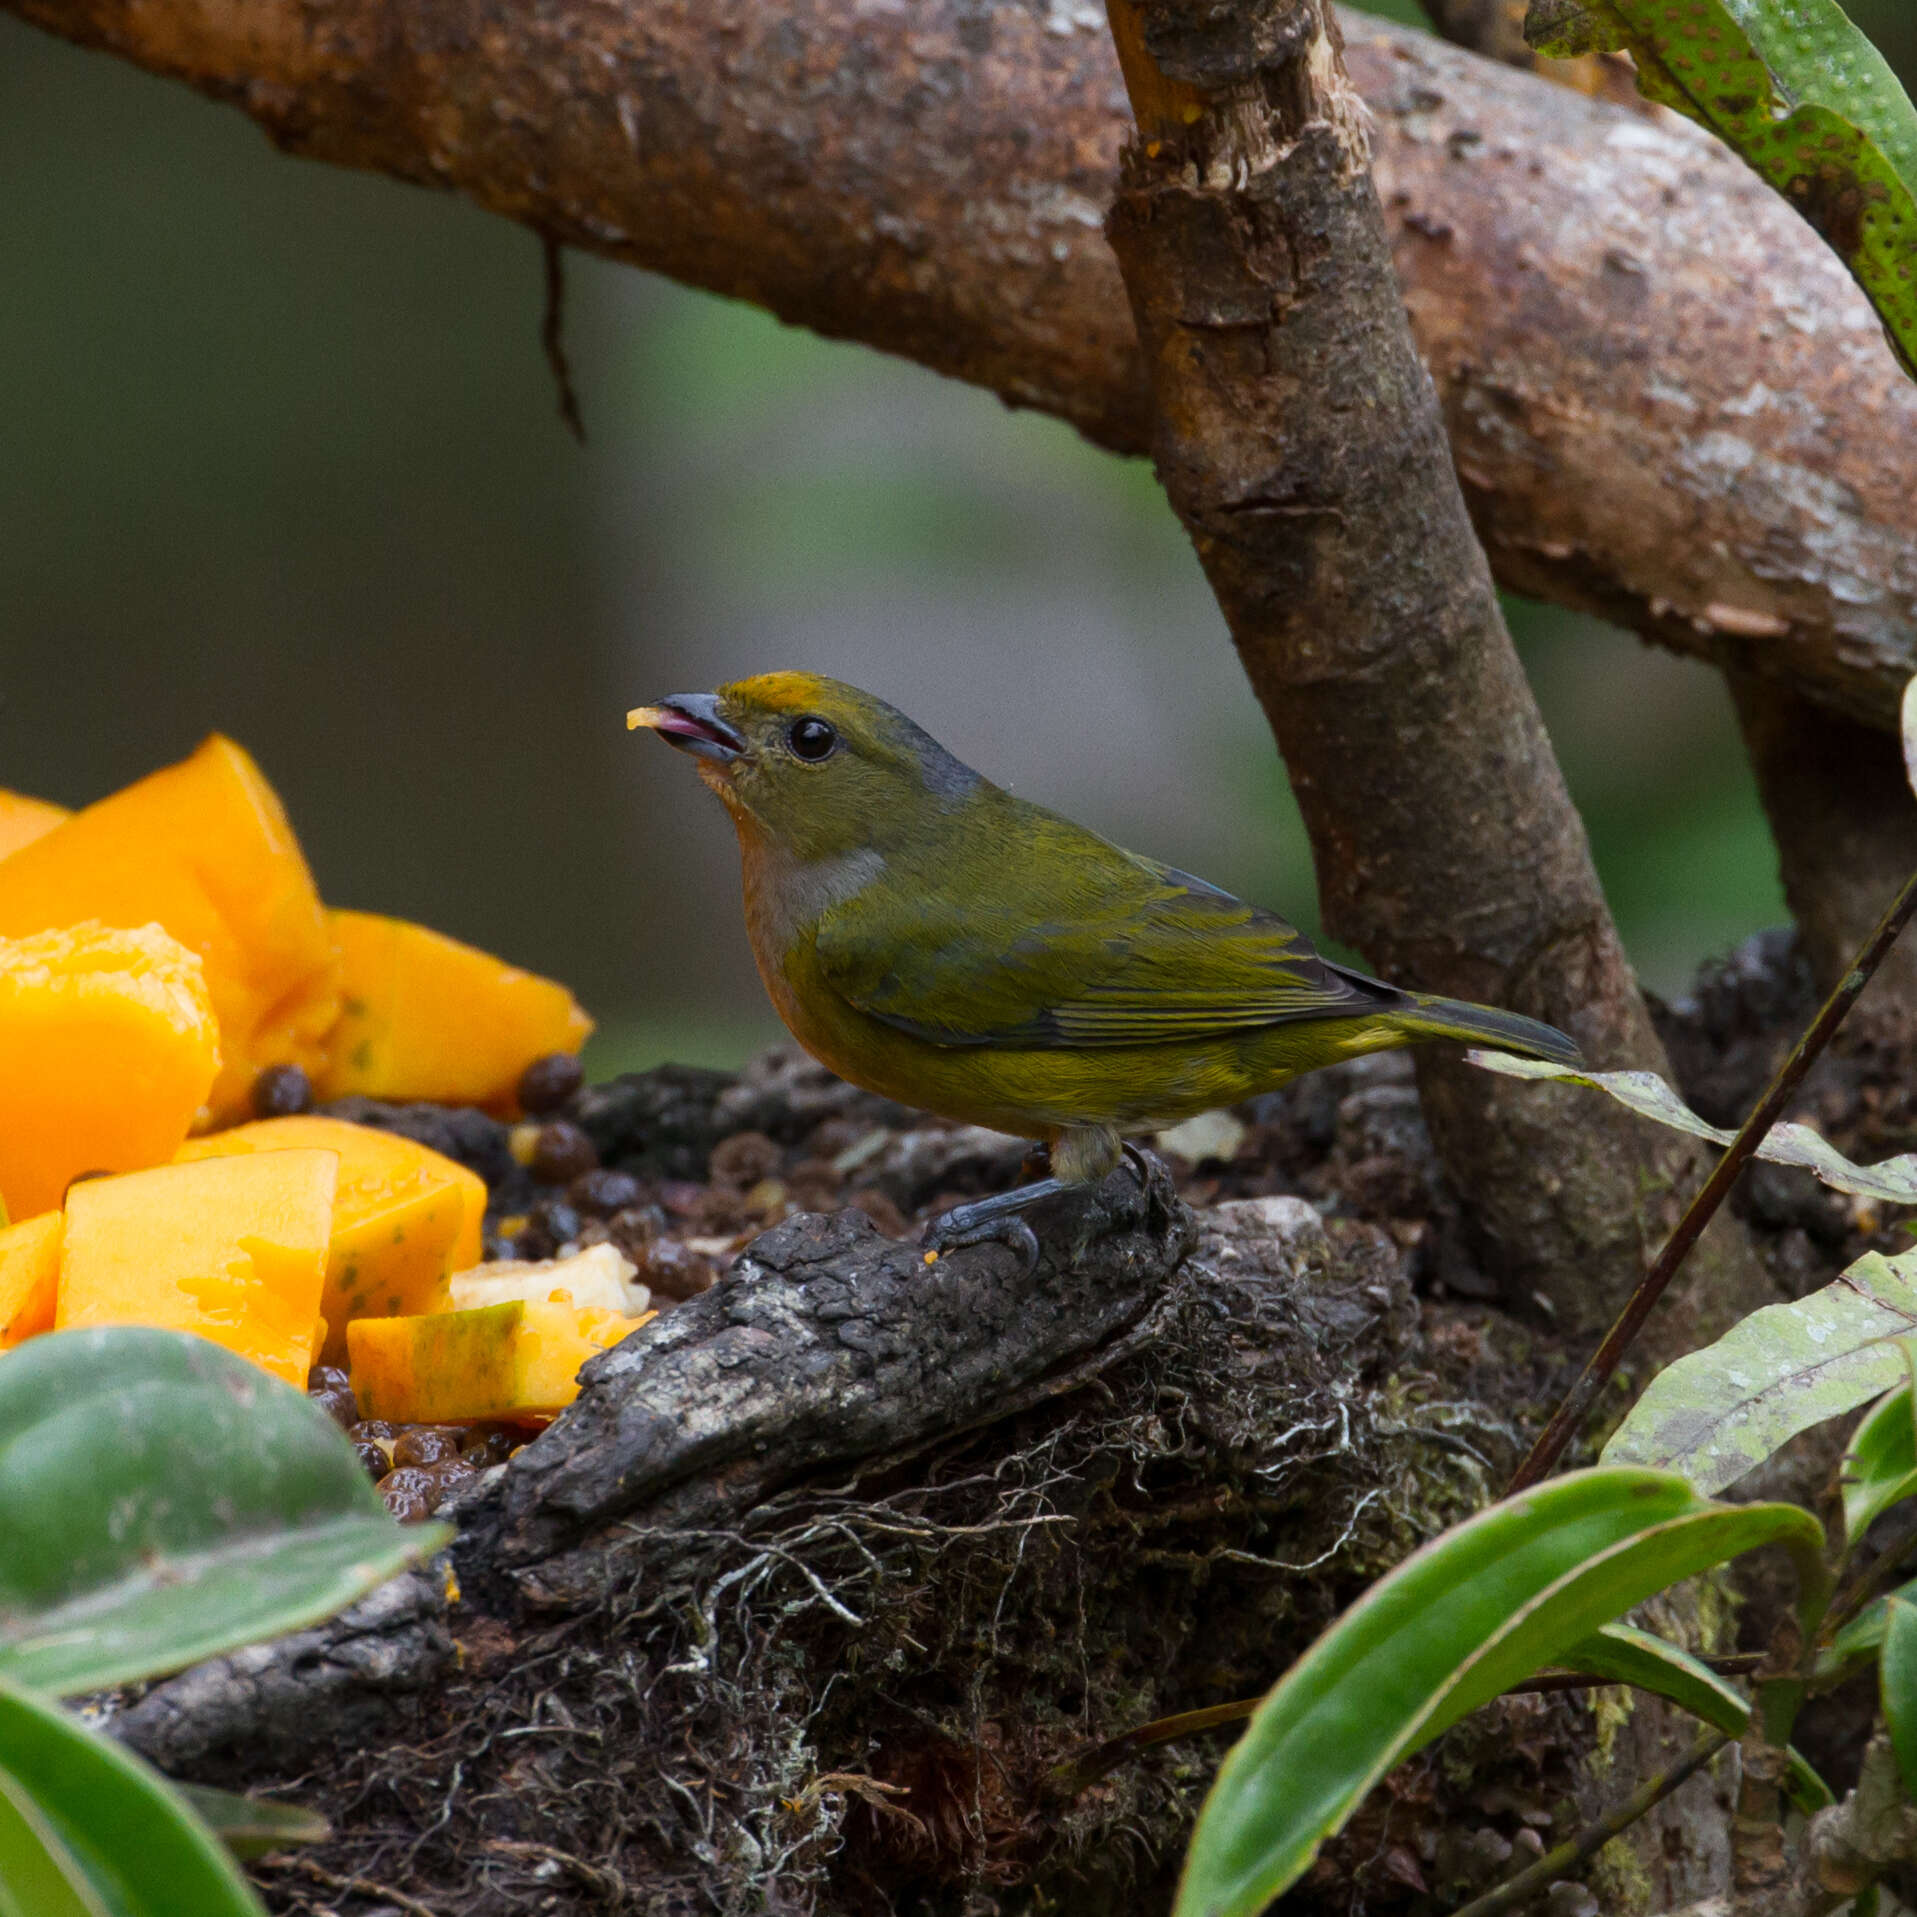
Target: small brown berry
426 1444
745 1158
339 1404
410 1493
450 1476
548 1082
561 1153
485 1448
671 1271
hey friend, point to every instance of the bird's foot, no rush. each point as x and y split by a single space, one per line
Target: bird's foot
996 1220
1000 1219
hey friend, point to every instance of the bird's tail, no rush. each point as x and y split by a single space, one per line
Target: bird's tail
1485 1025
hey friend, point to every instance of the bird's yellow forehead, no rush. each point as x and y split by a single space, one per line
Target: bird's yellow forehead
779 692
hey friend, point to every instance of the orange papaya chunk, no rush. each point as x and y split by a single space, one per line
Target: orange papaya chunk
108 1048
516 1361
203 849
404 1217
22 820
29 1277
423 1016
231 1248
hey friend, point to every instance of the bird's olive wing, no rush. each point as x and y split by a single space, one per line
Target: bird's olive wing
1131 955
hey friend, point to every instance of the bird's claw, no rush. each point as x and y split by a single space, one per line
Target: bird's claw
964 1225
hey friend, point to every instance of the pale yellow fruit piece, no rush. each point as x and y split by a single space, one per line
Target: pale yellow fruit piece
233 1248
404 1219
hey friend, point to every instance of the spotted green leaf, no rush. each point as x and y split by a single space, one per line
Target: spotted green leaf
1721 1411
1801 96
1892 1181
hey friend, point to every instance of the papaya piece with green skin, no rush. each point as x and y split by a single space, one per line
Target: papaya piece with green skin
405 1217
425 1017
29 1277
109 1046
232 1248
516 1362
202 848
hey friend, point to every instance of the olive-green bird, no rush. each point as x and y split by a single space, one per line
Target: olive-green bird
930 937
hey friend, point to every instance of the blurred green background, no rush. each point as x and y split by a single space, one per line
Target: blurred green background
279 455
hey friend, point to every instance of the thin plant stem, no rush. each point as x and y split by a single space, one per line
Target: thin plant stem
1084 1768
1867 1584
1557 1863
1711 1194
1081 1769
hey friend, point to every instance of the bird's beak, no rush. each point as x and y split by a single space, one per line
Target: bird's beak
690 721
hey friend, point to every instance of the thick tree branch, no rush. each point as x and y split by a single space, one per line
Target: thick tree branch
1301 444
1834 789
1666 401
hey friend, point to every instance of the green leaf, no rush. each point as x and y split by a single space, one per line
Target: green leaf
1860 1640
39 1876
141 1850
1717 1413
253 1826
165 1501
1801 96
1477 1610
1880 1463
1897 1684
1891 1182
1627 1655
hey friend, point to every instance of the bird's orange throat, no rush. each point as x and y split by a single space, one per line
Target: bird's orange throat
719 779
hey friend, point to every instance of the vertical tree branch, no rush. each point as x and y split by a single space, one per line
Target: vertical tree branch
1846 830
1301 443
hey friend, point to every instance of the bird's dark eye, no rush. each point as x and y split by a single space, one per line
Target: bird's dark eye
811 739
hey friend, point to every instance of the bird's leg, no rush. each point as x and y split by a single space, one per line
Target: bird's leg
1082 1156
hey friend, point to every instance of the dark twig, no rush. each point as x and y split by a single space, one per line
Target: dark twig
552 336
1080 1769
1605 1360
1083 1768
1568 1856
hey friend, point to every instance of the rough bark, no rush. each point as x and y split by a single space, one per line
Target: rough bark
1300 442
1666 400
1845 824
803 1622
826 1342
1835 791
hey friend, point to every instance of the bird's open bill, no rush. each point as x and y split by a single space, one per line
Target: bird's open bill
689 720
